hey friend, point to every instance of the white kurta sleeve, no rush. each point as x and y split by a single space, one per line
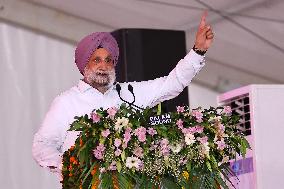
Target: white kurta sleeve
150 93
48 141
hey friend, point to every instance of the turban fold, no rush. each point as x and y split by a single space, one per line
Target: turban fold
87 46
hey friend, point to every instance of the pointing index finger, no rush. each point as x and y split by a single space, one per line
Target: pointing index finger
203 20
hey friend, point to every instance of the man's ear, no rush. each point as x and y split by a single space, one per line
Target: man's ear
84 70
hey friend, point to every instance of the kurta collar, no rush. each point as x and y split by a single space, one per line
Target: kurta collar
83 87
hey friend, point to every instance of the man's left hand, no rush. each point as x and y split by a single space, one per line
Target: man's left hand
204 35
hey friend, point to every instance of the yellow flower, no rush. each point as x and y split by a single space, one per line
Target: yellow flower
185 175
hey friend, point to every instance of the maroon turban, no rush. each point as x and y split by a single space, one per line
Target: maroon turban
87 46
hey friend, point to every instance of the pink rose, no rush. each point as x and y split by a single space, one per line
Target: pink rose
138 152
180 109
153 146
221 144
142 137
105 133
164 142
190 130
152 131
141 133
101 147
117 152
124 145
221 128
199 120
111 112
117 142
112 166
179 123
95 117
98 154
197 114
202 140
127 135
227 110
199 129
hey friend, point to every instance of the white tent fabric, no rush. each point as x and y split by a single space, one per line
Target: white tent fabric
34 69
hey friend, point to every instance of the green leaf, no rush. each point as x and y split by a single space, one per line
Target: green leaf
169 183
208 166
221 181
106 181
122 155
89 172
166 160
159 109
118 166
247 143
83 153
94 133
188 166
77 126
213 161
102 140
124 181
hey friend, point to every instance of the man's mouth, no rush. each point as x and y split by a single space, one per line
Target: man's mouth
102 74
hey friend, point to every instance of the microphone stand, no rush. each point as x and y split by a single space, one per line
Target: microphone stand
130 88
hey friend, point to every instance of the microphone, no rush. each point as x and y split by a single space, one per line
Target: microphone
130 88
118 88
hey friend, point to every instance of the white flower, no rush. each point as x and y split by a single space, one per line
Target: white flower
211 119
215 119
215 138
205 149
176 148
189 139
102 170
120 123
224 160
133 162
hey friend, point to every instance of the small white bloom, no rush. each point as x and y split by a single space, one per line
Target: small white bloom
176 148
133 162
102 170
205 149
224 160
215 138
215 119
189 139
120 123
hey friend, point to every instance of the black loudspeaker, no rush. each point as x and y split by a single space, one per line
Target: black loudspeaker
147 54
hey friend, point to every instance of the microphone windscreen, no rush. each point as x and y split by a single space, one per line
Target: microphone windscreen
118 87
130 88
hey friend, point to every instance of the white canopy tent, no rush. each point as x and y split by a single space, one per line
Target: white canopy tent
249 42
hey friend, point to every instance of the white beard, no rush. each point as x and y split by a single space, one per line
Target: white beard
100 78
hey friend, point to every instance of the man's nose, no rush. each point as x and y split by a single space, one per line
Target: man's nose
103 65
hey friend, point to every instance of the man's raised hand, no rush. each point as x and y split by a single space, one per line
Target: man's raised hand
204 35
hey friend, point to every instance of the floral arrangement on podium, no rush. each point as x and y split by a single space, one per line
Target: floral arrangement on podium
127 148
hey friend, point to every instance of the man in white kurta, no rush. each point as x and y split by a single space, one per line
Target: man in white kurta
53 139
